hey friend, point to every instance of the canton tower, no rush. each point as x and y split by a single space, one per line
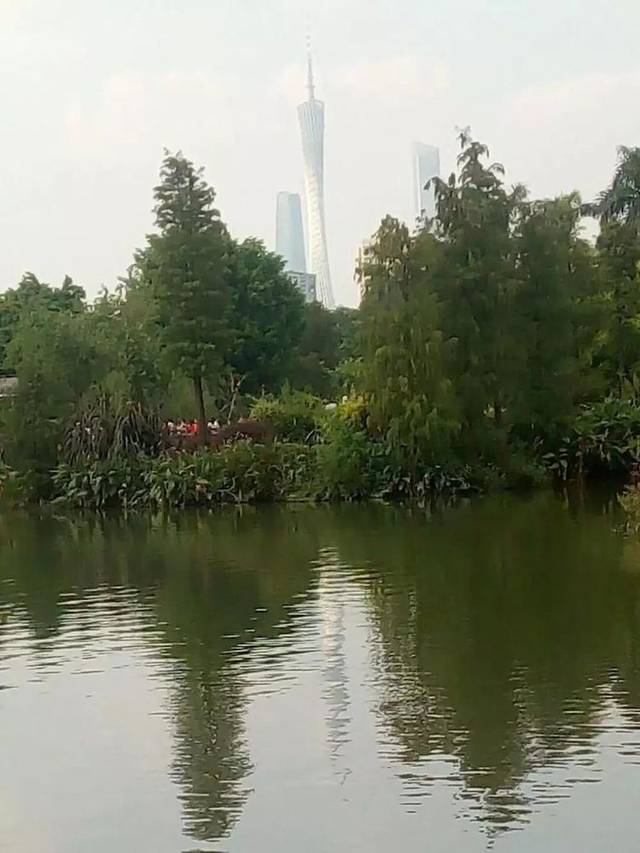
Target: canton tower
311 118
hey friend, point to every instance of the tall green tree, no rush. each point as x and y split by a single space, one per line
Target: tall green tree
619 265
475 214
554 280
404 365
185 264
318 351
267 317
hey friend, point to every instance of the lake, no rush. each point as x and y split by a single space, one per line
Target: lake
350 678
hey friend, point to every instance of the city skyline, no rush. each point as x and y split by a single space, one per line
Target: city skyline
311 121
114 87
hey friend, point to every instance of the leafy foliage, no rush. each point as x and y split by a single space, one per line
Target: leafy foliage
603 439
266 318
620 201
493 345
107 429
294 415
239 473
185 265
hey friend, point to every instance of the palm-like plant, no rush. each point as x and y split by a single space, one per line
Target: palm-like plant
621 199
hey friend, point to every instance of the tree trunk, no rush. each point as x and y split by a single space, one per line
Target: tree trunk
202 418
497 413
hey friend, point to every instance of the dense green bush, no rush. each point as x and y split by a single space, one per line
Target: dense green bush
604 439
349 465
294 415
630 502
104 427
239 473
343 463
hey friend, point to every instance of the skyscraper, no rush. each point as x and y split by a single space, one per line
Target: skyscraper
426 165
311 118
289 233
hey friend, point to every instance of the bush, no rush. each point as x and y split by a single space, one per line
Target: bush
104 427
238 473
348 463
295 416
604 439
630 503
101 483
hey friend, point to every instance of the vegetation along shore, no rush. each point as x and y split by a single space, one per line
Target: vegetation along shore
494 346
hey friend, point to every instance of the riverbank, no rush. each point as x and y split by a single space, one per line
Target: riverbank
240 473
320 456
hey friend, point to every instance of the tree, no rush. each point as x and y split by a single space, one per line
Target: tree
553 282
474 220
403 366
57 359
318 351
620 201
32 295
267 312
619 259
185 265
123 324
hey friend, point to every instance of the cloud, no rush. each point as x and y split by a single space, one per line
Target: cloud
582 98
135 111
564 136
404 76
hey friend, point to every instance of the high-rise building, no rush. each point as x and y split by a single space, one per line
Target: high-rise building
426 165
289 232
311 118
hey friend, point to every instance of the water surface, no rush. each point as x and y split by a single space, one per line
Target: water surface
362 678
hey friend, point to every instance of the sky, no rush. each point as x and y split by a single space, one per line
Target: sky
92 91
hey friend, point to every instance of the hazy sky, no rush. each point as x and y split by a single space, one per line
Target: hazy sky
92 90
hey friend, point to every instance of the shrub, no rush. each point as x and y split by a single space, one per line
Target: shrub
238 473
106 428
604 439
295 416
347 462
630 503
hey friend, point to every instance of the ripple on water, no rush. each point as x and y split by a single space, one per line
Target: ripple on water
395 679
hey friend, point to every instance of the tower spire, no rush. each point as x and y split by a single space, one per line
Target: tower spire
310 86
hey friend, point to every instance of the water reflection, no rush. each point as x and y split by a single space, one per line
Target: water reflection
329 677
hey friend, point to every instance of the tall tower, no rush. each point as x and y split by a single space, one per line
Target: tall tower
311 119
426 165
289 232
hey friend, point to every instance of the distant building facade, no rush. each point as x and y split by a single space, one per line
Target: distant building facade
426 165
311 119
289 231
306 284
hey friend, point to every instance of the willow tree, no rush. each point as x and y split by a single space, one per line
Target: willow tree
402 375
185 264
